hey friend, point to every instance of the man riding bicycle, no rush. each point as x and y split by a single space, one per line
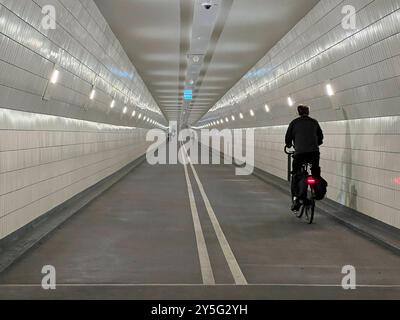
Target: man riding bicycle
305 134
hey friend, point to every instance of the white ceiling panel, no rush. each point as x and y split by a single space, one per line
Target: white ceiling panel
158 36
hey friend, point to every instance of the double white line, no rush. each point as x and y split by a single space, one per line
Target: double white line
206 269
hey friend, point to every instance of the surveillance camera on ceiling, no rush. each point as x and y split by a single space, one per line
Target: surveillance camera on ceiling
207 5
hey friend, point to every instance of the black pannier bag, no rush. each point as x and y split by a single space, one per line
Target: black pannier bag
320 188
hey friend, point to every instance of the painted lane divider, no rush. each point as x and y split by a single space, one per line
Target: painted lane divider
234 267
205 264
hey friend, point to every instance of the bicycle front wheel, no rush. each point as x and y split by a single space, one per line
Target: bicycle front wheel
299 214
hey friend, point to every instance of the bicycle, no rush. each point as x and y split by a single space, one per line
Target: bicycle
307 208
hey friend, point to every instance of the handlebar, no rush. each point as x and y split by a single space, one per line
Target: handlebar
288 152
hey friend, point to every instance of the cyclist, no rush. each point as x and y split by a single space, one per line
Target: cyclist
305 135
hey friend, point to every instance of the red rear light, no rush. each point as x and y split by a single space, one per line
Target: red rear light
311 180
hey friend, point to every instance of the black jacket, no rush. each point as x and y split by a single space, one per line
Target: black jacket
305 134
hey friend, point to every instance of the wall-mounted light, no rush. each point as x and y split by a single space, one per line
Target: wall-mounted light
252 113
54 76
124 110
112 104
290 101
226 119
46 96
267 109
222 120
233 118
241 115
133 113
140 116
92 94
329 90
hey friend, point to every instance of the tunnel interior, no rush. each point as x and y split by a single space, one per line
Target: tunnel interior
142 149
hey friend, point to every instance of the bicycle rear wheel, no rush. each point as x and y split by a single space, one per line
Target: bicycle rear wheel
309 211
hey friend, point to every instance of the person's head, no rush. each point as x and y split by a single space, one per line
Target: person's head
303 110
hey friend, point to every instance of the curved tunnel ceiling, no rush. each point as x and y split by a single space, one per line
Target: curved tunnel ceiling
178 44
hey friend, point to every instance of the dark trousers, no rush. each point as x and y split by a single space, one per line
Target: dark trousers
298 161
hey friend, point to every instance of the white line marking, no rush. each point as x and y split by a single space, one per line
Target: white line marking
205 264
198 285
226 249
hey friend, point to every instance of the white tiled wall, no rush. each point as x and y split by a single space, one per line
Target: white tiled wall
85 51
361 154
360 159
361 64
50 150
45 160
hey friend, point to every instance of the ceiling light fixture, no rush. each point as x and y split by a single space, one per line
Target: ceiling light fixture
267 109
252 113
207 5
290 102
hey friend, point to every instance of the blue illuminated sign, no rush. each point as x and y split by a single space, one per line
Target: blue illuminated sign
188 94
